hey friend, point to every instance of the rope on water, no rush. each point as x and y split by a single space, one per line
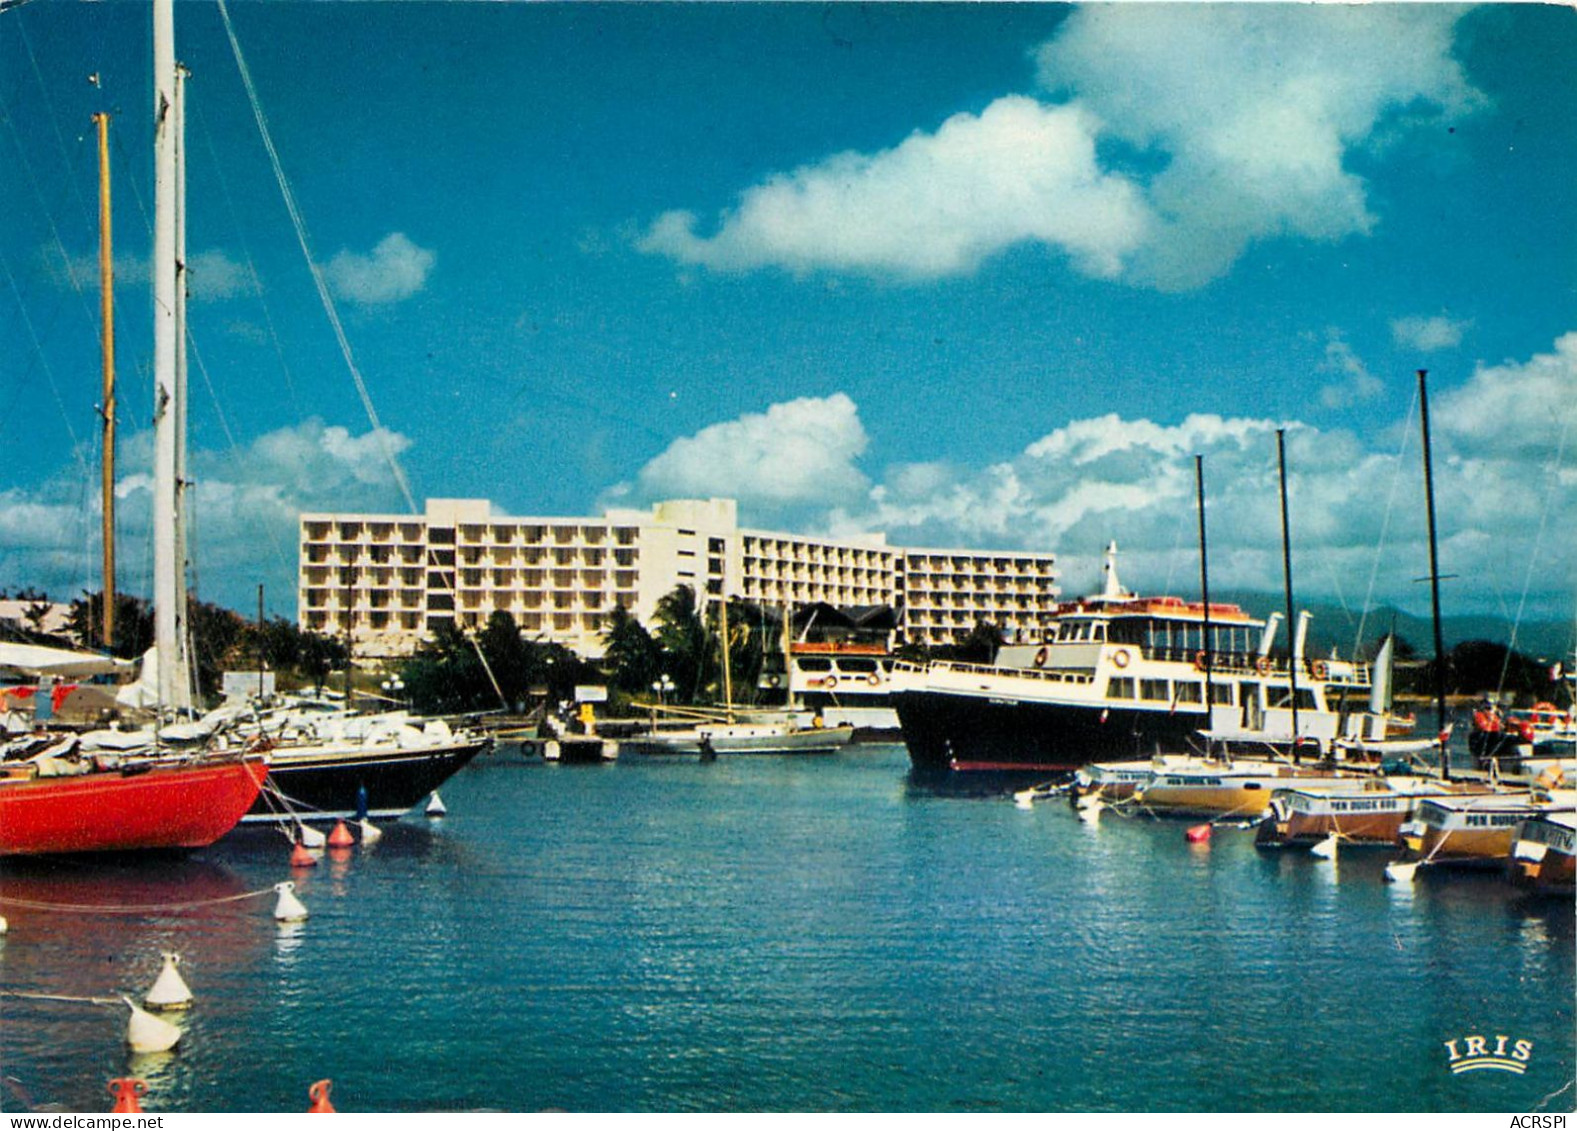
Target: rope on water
25 996
129 908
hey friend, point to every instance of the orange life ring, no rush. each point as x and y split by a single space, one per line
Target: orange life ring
1120 658
873 679
1320 670
830 681
1040 657
1199 660
1262 665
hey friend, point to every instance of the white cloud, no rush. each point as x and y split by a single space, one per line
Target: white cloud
1356 383
796 453
394 270
1504 482
213 275
936 204
1236 122
245 510
1428 334
1255 108
1521 410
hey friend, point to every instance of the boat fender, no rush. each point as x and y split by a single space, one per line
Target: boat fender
1040 657
1120 658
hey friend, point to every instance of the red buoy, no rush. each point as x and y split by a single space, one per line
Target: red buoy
340 837
319 1093
301 858
127 1090
1199 834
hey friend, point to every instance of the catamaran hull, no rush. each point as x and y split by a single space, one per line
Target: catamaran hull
328 782
949 731
172 806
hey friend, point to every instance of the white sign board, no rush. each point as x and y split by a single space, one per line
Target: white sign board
585 693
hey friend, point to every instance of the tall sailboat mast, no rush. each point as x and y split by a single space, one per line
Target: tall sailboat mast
1434 581
174 680
1286 575
107 349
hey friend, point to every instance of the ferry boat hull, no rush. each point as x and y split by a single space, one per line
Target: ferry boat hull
950 731
141 806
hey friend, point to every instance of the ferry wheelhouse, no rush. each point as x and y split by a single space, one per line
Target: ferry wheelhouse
1122 676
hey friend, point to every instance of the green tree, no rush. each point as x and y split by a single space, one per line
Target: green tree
633 659
688 654
319 655
508 657
133 623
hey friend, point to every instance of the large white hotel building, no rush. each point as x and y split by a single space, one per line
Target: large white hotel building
388 581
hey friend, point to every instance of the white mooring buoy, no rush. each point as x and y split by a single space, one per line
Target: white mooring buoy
288 909
311 837
436 806
1325 849
147 1033
169 989
370 833
1090 809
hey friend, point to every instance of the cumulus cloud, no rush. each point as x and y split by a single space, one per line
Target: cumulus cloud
1502 444
212 275
1428 334
936 204
1355 383
797 453
1164 141
1515 409
245 509
394 270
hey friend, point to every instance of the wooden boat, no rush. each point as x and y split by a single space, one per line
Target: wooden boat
735 737
1360 811
1220 788
1542 854
1476 830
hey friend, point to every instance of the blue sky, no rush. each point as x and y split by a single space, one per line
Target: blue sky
983 274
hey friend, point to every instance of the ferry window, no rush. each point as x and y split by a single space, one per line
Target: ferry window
853 665
1221 693
1120 688
1190 693
1305 699
1100 631
1154 689
815 664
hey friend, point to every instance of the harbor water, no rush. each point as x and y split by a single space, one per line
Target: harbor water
784 934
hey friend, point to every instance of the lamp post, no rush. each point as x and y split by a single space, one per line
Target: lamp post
394 689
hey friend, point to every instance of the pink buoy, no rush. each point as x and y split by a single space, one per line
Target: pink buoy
301 858
1199 834
127 1090
319 1095
340 837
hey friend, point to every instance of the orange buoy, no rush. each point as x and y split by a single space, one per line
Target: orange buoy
1199 834
301 858
127 1090
319 1093
340 837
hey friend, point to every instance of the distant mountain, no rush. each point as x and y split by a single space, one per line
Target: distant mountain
1334 626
